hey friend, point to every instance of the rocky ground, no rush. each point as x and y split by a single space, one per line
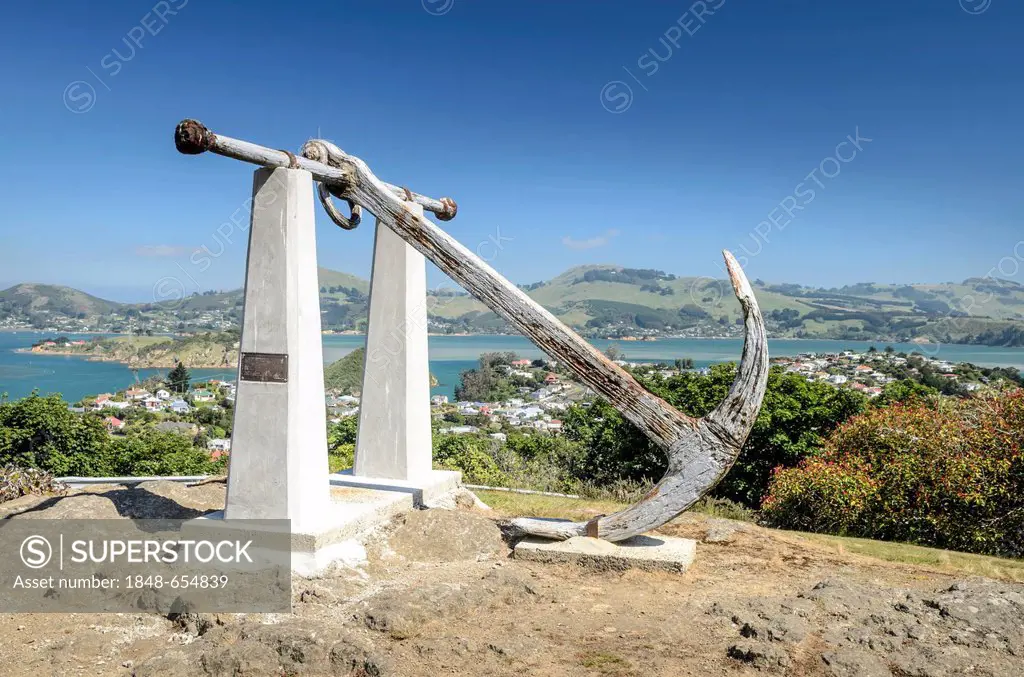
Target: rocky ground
439 595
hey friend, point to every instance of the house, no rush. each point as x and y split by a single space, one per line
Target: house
100 399
203 396
218 448
551 378
190 429
110 404
136 394
113 423
438 400
501 437
837 379
153 403
180 407
219 444
520 363
460 429
163 394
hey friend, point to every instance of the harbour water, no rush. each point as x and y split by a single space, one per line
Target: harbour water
75 377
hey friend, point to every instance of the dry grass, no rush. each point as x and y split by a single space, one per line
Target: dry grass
535 505
580 509
944 560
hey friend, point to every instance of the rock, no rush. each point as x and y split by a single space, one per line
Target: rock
446 536
720 531
767 621
81 506
356 657
204 497
403 612
159 499
292 647
245 657
760 655
854 663
458 499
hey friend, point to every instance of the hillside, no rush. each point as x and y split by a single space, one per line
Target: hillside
345 376
597 300
48 298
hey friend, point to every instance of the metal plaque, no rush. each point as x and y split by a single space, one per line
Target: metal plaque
264 367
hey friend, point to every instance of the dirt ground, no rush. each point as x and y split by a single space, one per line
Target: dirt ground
440 595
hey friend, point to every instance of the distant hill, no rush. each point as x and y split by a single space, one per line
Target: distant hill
209 350
345 376
602 300
31 297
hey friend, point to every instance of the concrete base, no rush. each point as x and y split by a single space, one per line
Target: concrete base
649 553
358 504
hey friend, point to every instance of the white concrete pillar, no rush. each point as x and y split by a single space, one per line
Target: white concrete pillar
394 440
278 464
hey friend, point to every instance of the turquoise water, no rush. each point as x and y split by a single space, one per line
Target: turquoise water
75 377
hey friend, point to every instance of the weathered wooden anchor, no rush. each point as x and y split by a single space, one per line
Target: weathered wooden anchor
700 450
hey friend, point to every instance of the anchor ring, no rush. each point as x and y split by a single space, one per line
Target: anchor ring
348 223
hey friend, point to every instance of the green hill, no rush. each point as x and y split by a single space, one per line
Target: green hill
604 300
208 350
31 298
346 375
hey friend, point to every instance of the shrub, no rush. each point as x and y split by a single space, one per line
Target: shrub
468 455
16 482
794 419
948 474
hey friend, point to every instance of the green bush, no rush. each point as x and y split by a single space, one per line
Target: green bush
468 455
948 474
794 420
40 432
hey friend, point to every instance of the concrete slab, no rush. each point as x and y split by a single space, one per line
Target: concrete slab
649 553
357 505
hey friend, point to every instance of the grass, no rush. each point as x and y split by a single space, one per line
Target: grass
958 563
945 560
536 505
605 663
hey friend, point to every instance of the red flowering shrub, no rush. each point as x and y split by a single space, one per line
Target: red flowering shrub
949 474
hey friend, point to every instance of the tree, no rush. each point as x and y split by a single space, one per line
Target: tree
795 418
486 383
178 379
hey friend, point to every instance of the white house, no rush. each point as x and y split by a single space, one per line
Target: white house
221 445
153 403
163 394
180 407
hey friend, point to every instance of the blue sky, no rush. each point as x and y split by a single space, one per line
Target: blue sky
648 134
